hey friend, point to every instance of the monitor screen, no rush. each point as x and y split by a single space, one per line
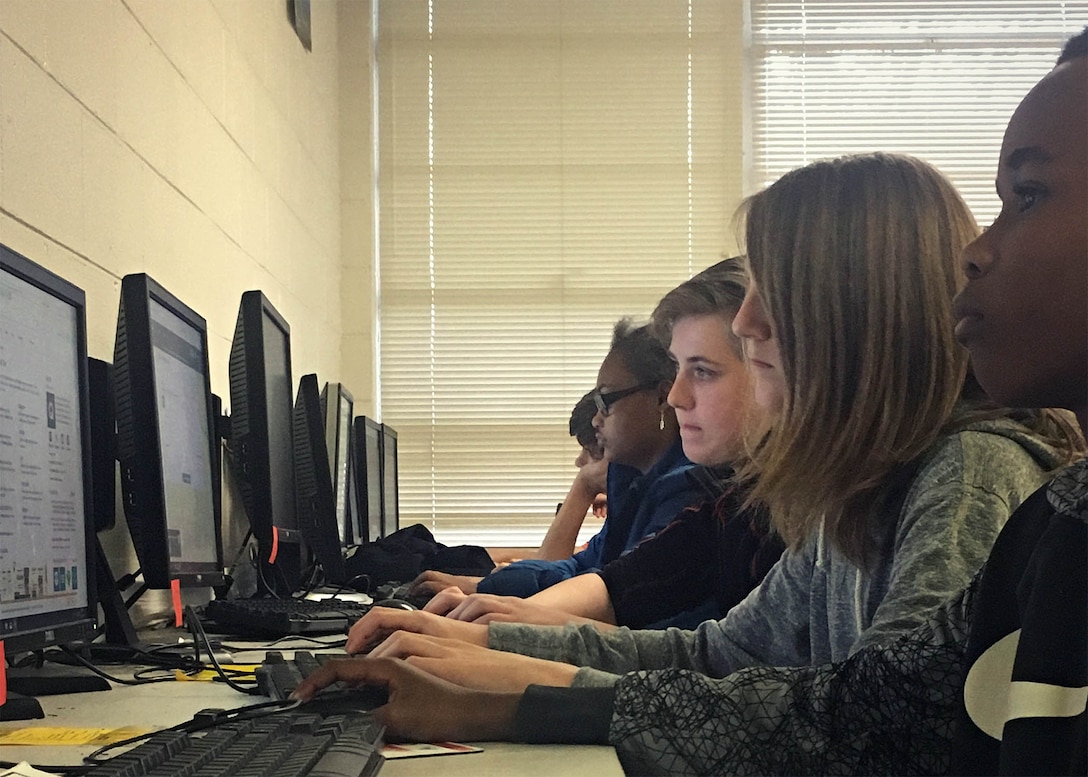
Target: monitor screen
367 442
390 495
165 439
261 399
46 533
337 404
316 503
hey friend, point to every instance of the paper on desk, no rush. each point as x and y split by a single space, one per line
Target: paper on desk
25 770
207 675
427 748
56 735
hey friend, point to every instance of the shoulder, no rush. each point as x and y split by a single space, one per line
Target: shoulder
987 450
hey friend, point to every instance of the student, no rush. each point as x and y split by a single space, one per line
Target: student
646 481
587 493
994 681
710 557
889 497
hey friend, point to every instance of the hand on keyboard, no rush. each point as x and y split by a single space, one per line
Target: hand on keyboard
472 666
421 707
370 630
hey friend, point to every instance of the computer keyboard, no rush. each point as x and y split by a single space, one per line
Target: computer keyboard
297 743
283 617
278 676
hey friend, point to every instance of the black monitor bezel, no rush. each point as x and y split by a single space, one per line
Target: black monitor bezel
250 446
316 506
390 517
368 528
332 444
34 632
139 451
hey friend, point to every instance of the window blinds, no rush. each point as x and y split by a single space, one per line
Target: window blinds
936 79
544 169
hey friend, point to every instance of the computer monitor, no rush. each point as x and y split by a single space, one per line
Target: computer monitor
367 445
103 437
260 446
47 559
315 501
166 437
390 492
336 405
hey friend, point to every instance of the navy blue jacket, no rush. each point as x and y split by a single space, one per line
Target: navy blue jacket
638 507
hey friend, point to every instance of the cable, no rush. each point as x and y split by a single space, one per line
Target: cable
202 720
199 635
119 680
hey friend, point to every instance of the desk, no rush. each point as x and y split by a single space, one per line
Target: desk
166 704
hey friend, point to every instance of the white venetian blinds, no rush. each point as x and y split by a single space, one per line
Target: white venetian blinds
544 169
936 79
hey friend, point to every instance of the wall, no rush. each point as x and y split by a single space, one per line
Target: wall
358 270
196 140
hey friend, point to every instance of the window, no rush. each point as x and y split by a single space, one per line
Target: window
936 79
545 168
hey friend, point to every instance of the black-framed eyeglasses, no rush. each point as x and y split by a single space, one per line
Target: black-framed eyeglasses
604 402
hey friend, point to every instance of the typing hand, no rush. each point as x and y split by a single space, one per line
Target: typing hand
374 627
421 707
445 600
490 608
472 666
432 581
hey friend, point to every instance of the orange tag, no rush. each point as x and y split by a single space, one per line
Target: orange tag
275 545
175 593
3 676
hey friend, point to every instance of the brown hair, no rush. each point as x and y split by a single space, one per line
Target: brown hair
718 290
855 259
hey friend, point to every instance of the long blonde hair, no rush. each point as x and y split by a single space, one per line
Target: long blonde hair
856 260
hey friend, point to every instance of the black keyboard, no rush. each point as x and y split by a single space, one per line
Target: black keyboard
278 676
283 617
304 741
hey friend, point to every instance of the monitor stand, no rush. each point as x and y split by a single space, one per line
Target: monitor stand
50 679
18 707
46 680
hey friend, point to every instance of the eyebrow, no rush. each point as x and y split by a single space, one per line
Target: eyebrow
697 358
1021 156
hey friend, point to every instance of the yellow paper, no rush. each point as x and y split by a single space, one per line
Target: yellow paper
55 735
209 674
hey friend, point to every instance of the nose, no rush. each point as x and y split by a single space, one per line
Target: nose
978 255
680 393
751 321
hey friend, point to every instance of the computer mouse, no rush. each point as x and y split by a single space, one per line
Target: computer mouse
396 604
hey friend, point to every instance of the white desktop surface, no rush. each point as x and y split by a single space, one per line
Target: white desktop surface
165 704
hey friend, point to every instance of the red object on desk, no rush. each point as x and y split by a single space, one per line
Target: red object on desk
3 676
175 594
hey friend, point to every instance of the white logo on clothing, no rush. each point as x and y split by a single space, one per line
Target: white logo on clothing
993 699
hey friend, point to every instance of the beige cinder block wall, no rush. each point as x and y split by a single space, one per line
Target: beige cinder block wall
195 140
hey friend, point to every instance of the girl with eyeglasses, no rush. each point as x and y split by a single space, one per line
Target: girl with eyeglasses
647 482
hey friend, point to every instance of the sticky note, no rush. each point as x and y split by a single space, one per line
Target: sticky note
56 735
